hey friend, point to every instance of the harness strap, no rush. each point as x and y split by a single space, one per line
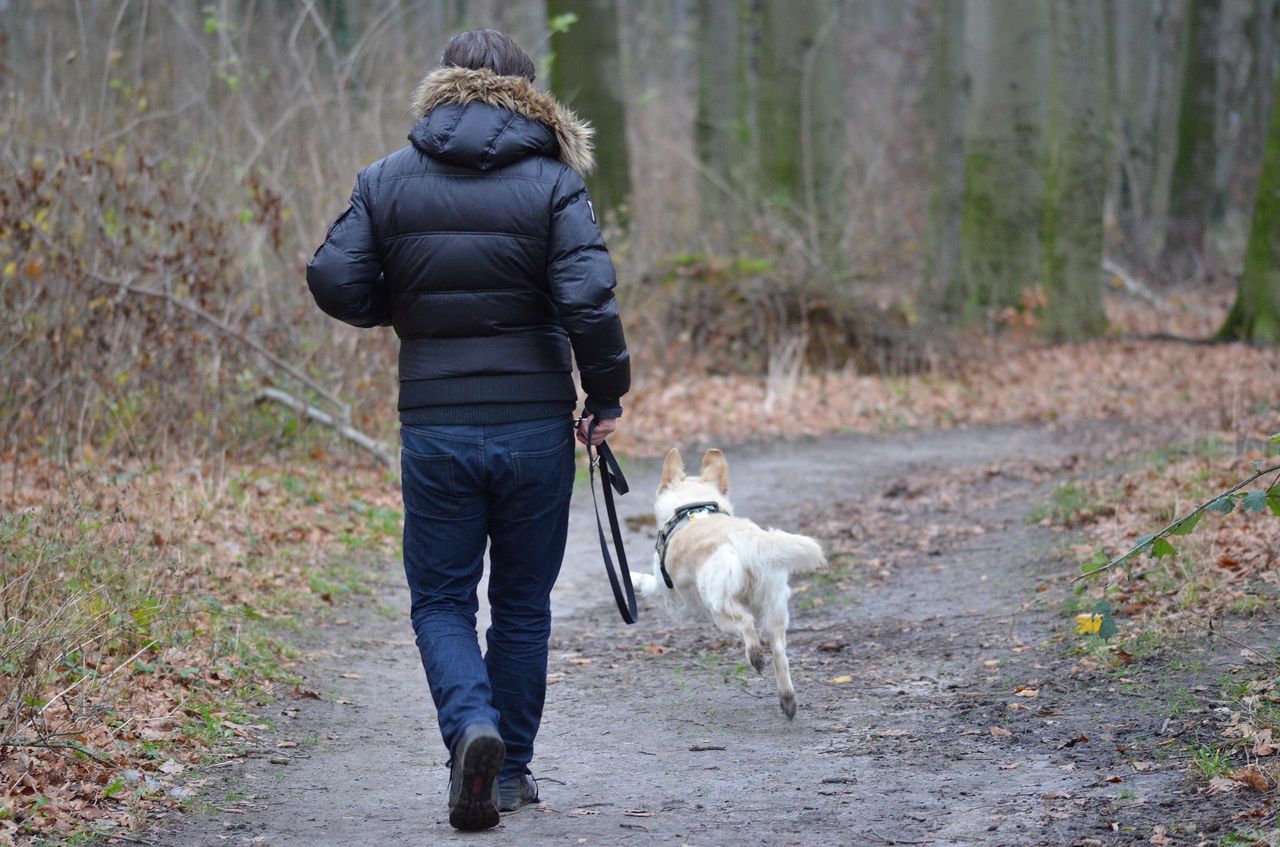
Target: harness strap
611 478
683 515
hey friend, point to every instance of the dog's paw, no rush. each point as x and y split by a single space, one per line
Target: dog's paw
788 703
756 657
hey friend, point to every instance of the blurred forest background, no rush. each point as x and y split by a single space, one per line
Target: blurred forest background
828 216
788 186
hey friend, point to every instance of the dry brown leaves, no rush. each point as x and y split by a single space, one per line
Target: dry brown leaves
1210 388
145 678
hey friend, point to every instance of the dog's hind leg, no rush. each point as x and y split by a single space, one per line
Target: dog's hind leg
786 689
719 583
734 617
774 623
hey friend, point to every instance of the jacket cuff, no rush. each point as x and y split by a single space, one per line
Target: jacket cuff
603 408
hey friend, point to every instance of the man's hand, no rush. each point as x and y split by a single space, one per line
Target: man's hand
604 428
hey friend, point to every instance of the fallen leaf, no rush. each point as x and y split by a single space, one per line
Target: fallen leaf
1253 776
840 680
831 647
307 693
1263 745
172 768
1139 767
1158 836
1055 794
579 660
1010 766
349 675
1071 742
655 649
1024 691
1000 732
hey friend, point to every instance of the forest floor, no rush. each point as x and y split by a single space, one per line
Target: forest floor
214 649
944 698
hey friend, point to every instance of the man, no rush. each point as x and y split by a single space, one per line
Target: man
478 243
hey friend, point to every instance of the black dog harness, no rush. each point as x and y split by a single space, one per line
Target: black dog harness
684 514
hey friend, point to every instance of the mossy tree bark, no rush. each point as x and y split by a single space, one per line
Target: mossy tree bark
1077 172
1191 186
1006 53
801 113
722 127
1256 313
586 72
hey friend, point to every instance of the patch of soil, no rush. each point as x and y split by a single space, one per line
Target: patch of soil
940 700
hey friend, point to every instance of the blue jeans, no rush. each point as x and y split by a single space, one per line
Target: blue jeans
508 484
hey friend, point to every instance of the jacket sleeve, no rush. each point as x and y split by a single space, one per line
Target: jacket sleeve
345 274
582 278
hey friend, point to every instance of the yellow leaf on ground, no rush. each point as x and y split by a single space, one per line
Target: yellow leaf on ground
841 680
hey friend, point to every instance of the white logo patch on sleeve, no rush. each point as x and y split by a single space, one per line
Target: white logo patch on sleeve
592 209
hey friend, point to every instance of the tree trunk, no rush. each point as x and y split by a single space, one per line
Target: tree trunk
586 72
1191 183
1007 52
801 113
1147 48
945 100
1256 313
722 124
1076 179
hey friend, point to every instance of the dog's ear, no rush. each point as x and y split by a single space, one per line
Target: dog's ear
672 469
715 470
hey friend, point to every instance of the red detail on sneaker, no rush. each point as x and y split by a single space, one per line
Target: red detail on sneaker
476 785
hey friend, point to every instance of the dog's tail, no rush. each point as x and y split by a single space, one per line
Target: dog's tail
777 550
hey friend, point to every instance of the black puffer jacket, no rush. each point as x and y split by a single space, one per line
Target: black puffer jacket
478 243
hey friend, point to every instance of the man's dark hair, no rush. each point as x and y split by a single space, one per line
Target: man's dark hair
488 49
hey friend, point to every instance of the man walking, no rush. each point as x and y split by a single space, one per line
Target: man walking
478 244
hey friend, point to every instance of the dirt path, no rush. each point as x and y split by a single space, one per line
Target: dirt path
658 734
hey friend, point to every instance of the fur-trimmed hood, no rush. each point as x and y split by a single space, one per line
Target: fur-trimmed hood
570 136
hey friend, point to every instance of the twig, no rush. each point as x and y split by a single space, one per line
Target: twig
1263 656
68 689
887 840
120 836
58 745
1132 284
347 431
1168 530
227 330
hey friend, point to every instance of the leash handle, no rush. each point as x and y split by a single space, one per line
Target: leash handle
611 478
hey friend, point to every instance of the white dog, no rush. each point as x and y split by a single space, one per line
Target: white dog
709 560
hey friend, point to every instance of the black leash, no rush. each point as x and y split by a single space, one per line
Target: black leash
611 478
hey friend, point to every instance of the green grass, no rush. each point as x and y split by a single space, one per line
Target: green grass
1211 761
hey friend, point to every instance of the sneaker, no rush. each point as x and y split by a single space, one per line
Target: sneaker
517 791
473 781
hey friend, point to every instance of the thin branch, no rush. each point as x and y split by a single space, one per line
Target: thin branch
58 745
1168 530
68 689
229 331
377 448
1209 629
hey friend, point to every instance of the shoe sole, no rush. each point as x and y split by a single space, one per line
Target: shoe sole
475 808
